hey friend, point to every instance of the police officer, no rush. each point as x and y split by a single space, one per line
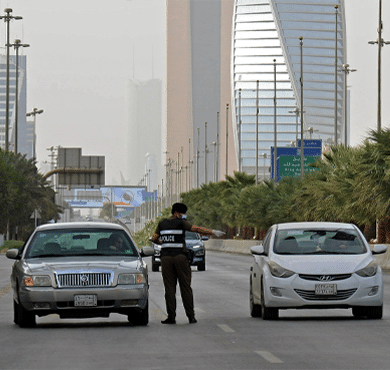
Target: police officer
170 233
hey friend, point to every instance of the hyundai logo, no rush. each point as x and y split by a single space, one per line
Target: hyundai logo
325 278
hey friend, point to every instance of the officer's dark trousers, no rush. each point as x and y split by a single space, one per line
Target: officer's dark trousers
177 268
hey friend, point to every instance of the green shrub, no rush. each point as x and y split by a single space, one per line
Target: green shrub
10 244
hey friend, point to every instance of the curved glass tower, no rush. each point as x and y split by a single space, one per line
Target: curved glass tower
266 76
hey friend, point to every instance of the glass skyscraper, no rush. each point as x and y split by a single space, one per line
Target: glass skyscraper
24 129
266 34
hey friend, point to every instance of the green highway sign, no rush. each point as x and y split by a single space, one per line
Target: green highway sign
291 165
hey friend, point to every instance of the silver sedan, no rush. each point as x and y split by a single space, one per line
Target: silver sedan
315 265
79 270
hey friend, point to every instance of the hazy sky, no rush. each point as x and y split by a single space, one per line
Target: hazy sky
82 54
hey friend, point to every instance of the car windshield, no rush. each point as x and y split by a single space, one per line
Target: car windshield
191 235
318 241
80 242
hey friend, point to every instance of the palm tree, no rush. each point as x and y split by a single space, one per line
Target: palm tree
24 190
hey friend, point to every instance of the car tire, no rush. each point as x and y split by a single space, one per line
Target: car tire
358 311
255 309
24 318
139 317
268 313
155 267
374 312
16 319
202 266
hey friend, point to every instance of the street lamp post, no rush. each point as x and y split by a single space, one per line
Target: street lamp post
33 113
296 111
264 157
17 44
7 17
301 82
214 143
205 154
310 130
275 125
197 160
380 43
346 70
257 132
218 144
239 130
227 139
335 75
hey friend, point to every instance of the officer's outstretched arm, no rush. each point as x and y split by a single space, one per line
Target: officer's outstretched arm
155 239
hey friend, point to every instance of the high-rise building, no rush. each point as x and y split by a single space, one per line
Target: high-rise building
266 74
217 50
145 134
23 132
198 91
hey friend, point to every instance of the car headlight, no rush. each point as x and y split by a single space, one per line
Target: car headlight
279 271
368 271
36 280
131 279
196 246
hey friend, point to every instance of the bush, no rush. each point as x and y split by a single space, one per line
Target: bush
10 244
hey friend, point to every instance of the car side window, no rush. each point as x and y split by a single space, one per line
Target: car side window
266 241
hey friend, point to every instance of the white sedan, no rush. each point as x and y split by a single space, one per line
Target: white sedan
316 265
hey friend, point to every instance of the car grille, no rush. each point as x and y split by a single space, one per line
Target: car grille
84 279
325 277
309 295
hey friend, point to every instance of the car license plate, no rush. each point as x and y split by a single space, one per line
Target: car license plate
326 289
85 300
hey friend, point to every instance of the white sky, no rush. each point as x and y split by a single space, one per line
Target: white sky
81 56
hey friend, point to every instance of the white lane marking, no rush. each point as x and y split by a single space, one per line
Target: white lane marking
269 357
226 328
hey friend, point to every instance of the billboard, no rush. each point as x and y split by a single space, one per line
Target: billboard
75 169
121 196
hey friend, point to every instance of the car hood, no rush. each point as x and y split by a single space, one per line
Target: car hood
323 264
77 264
191 243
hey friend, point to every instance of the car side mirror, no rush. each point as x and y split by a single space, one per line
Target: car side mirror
13 254
379 249
258 250
147 251
205 238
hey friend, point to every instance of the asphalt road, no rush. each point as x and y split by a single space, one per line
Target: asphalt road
225 337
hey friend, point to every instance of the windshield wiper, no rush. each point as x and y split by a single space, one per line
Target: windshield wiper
47 255
323 252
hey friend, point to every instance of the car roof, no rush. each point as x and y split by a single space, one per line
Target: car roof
80 225
321 225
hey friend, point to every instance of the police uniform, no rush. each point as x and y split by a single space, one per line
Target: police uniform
174 265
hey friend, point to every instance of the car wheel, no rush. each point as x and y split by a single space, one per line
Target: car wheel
255 309
24 318
374 312
16 313
155 267
268 313
139 317
202 266
358 311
